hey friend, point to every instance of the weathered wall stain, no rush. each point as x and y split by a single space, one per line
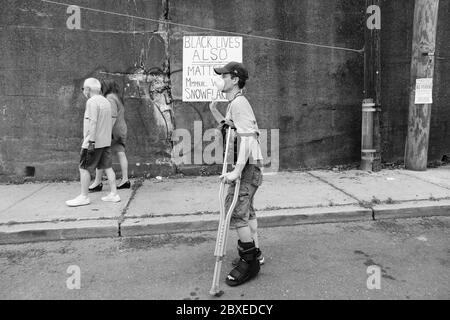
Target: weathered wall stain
312 95
396 44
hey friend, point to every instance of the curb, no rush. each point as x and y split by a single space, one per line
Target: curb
272 218
111 228
64 230
412 209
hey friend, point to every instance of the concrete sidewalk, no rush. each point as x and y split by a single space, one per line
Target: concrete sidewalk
37 211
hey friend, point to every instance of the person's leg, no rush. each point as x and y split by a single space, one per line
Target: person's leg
98 178
85 178
123 166
106 164
111 180
112 196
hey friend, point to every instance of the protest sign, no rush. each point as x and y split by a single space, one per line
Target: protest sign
201 54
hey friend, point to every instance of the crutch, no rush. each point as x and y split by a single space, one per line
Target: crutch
224 222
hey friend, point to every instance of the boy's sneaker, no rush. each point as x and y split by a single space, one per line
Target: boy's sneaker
78 201
259 257
111 198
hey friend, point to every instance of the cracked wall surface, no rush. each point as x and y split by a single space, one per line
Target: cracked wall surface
396 43
43 66
312 95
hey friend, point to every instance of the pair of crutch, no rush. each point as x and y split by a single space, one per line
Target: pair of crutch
224 221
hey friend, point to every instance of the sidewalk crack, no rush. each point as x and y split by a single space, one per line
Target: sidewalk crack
423 180
335 187
136 185
26 197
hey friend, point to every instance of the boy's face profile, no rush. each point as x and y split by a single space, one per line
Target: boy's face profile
229 82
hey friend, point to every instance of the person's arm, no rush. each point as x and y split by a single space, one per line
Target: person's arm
93 118
216 113
114 109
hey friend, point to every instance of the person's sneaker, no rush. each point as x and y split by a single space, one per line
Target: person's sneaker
111 198
78 201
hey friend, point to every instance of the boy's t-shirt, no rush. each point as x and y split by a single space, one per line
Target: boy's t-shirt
241 113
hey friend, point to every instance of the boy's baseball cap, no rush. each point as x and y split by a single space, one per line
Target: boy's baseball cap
235 68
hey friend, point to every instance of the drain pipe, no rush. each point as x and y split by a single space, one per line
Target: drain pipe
367 150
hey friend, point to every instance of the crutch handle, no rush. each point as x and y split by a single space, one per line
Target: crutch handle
227 123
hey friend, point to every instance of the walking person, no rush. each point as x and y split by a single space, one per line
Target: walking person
240 115
111 91
96 146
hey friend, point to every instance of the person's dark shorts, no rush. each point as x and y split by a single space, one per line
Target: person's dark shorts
251 179
100 159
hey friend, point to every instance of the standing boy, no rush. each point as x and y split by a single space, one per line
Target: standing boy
249 161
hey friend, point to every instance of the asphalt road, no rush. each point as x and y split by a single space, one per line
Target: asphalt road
321 261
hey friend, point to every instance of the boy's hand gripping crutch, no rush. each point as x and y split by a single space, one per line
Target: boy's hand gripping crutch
224 221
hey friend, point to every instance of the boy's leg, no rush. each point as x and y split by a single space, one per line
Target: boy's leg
248 265
252 180
245 234
253 224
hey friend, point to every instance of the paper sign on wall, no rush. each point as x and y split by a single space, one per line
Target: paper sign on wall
424 91
201 54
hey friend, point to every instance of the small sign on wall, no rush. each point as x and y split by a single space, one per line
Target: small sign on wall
201 54
424 91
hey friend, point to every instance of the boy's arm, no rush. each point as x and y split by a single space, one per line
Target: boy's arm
244 154
216 113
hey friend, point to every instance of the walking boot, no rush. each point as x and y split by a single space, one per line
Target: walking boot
248 266
259 256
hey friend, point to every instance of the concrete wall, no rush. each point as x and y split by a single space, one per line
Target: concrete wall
312 95
43 66
396 44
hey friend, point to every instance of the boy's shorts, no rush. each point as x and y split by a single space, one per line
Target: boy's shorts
100 159
251 179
